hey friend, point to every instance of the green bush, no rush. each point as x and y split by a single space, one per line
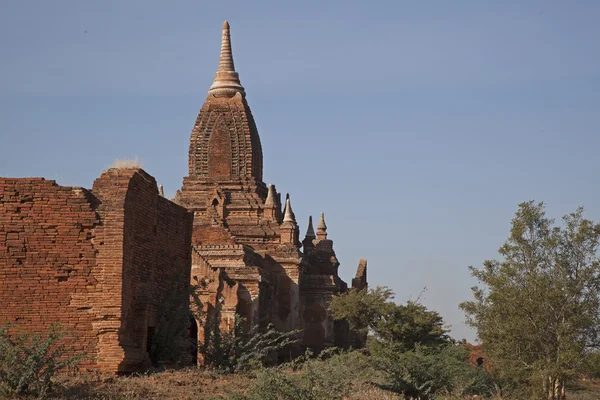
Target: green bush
28 361
238 351
332 379
424 373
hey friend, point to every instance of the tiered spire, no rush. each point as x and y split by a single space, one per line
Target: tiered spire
322 228
227 81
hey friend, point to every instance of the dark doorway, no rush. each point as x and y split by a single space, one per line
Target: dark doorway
194 339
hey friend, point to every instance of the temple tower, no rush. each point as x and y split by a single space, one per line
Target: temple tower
246 256
224 143
224 184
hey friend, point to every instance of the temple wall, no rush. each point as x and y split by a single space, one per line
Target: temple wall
99 263
152 241
48 259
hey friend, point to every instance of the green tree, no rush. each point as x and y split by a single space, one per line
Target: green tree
410 345
537 311
403 325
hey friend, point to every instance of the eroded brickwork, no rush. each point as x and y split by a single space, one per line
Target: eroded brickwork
146 242
97 262
47 258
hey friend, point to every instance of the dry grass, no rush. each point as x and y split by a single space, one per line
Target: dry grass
198 384
185 384
126 163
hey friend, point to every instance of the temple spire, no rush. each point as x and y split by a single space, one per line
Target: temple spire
310 232
322 228
227 81
289 214
226 59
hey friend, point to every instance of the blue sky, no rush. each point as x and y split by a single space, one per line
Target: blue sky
417 127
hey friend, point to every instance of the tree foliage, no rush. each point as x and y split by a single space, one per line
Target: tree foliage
410 345
401 325
537 310
363 309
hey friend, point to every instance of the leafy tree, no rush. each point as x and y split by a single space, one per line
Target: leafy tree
362 308
410 345
411 324
537 311
401 325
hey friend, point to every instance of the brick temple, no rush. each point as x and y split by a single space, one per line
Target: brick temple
100 261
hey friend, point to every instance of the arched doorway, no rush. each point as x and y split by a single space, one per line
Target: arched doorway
193 336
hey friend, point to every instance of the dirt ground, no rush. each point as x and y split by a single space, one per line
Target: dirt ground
185 384
196 384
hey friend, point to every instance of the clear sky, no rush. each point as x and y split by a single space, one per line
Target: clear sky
417 127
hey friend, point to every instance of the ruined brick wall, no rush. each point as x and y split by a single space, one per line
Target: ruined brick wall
154 251
99 262
47 258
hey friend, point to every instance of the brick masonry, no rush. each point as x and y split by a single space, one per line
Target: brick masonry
97 262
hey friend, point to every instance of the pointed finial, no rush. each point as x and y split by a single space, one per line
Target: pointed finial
289 214
310 232
227 81
161 190
322 228
322 222
226 59
287 197
271 196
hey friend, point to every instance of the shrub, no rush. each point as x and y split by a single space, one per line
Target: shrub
332 378
29 361
424 372
237 351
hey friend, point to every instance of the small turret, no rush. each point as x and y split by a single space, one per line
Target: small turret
322 228
272 204
271 196
289 228
289 214
287 198
161 190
